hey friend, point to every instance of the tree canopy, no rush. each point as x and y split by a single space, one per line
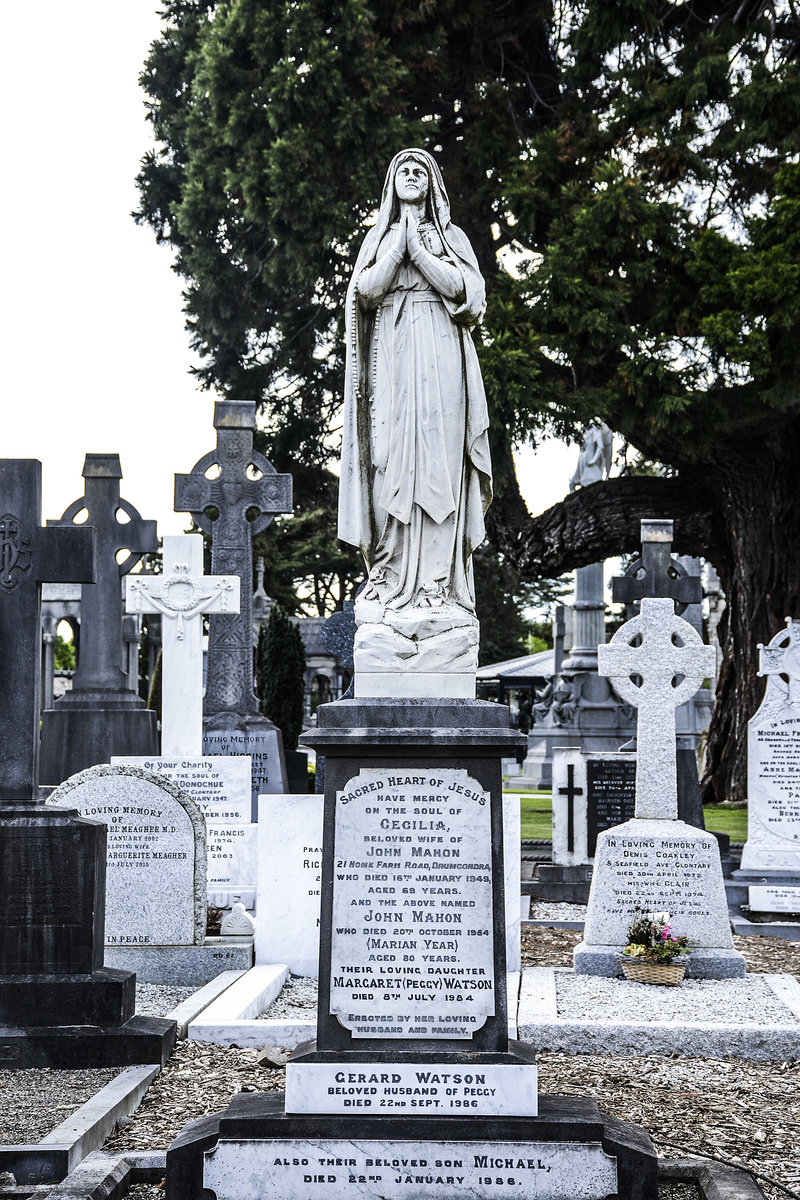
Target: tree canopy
628 175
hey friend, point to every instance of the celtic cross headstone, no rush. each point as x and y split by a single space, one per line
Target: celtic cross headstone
101 716
182 593
233 493
655 662
656 572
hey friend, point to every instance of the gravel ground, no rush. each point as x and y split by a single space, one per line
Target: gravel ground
159 999
33 1102
546 910
297 1001
739 1002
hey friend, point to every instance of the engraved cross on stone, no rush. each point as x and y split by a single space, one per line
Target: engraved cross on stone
782 657
656 573
100 657
570 791
29 556
232 506
182 593
656 662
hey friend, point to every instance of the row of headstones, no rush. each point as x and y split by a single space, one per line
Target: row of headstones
159 837
101 716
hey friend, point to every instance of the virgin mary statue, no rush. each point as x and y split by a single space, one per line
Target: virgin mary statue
415 475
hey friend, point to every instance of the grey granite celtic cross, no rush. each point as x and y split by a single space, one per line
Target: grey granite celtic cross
245 495
656 573
100 656
656 662
29 556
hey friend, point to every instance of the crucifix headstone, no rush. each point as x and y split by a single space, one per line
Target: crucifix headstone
101 716
571 792
657 862
655 662
656 573
233 493
773 761
52 864
182 593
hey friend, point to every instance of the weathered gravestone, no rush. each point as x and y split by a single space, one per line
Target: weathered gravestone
413 1087
655 862
101 716
233 506
59 1005
156 874
220 787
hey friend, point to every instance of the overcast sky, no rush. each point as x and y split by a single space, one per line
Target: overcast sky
96 358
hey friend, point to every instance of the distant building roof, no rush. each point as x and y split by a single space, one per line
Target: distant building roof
530 666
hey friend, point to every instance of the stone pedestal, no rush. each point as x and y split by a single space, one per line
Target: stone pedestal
59 1006
85 729
412 1026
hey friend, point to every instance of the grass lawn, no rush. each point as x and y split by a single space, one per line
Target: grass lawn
537 817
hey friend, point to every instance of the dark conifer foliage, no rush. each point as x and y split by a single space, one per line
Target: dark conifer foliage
280 674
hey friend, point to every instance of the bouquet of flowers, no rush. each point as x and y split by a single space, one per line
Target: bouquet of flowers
650 938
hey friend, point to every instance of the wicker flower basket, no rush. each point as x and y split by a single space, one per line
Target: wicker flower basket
668 974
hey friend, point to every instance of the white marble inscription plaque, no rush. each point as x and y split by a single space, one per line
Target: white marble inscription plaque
319 1169
774 898
412 945
231 856
290 872
773 774
499 1090
219 785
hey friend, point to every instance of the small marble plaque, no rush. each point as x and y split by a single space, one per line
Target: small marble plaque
290 870
774 898
405 1170
220 785
232 859
412 943
446 1089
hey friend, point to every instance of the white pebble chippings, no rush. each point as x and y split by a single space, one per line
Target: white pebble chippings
159 999
298 999
748 1001
544 910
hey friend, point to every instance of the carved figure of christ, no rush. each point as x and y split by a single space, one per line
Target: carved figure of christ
656 661
182 594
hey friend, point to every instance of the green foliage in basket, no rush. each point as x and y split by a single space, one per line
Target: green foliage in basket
651 939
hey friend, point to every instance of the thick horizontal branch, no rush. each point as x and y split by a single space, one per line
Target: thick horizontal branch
602 521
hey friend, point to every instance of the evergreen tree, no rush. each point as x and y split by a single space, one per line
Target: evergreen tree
628 176
280 674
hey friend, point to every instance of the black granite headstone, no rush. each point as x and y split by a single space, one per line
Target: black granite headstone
101 716
59 1006
611 795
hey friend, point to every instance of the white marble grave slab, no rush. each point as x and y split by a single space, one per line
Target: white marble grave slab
232 857
564 758
405 1170
219 784
387 1088
412 941
774 898
156 854
290 870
